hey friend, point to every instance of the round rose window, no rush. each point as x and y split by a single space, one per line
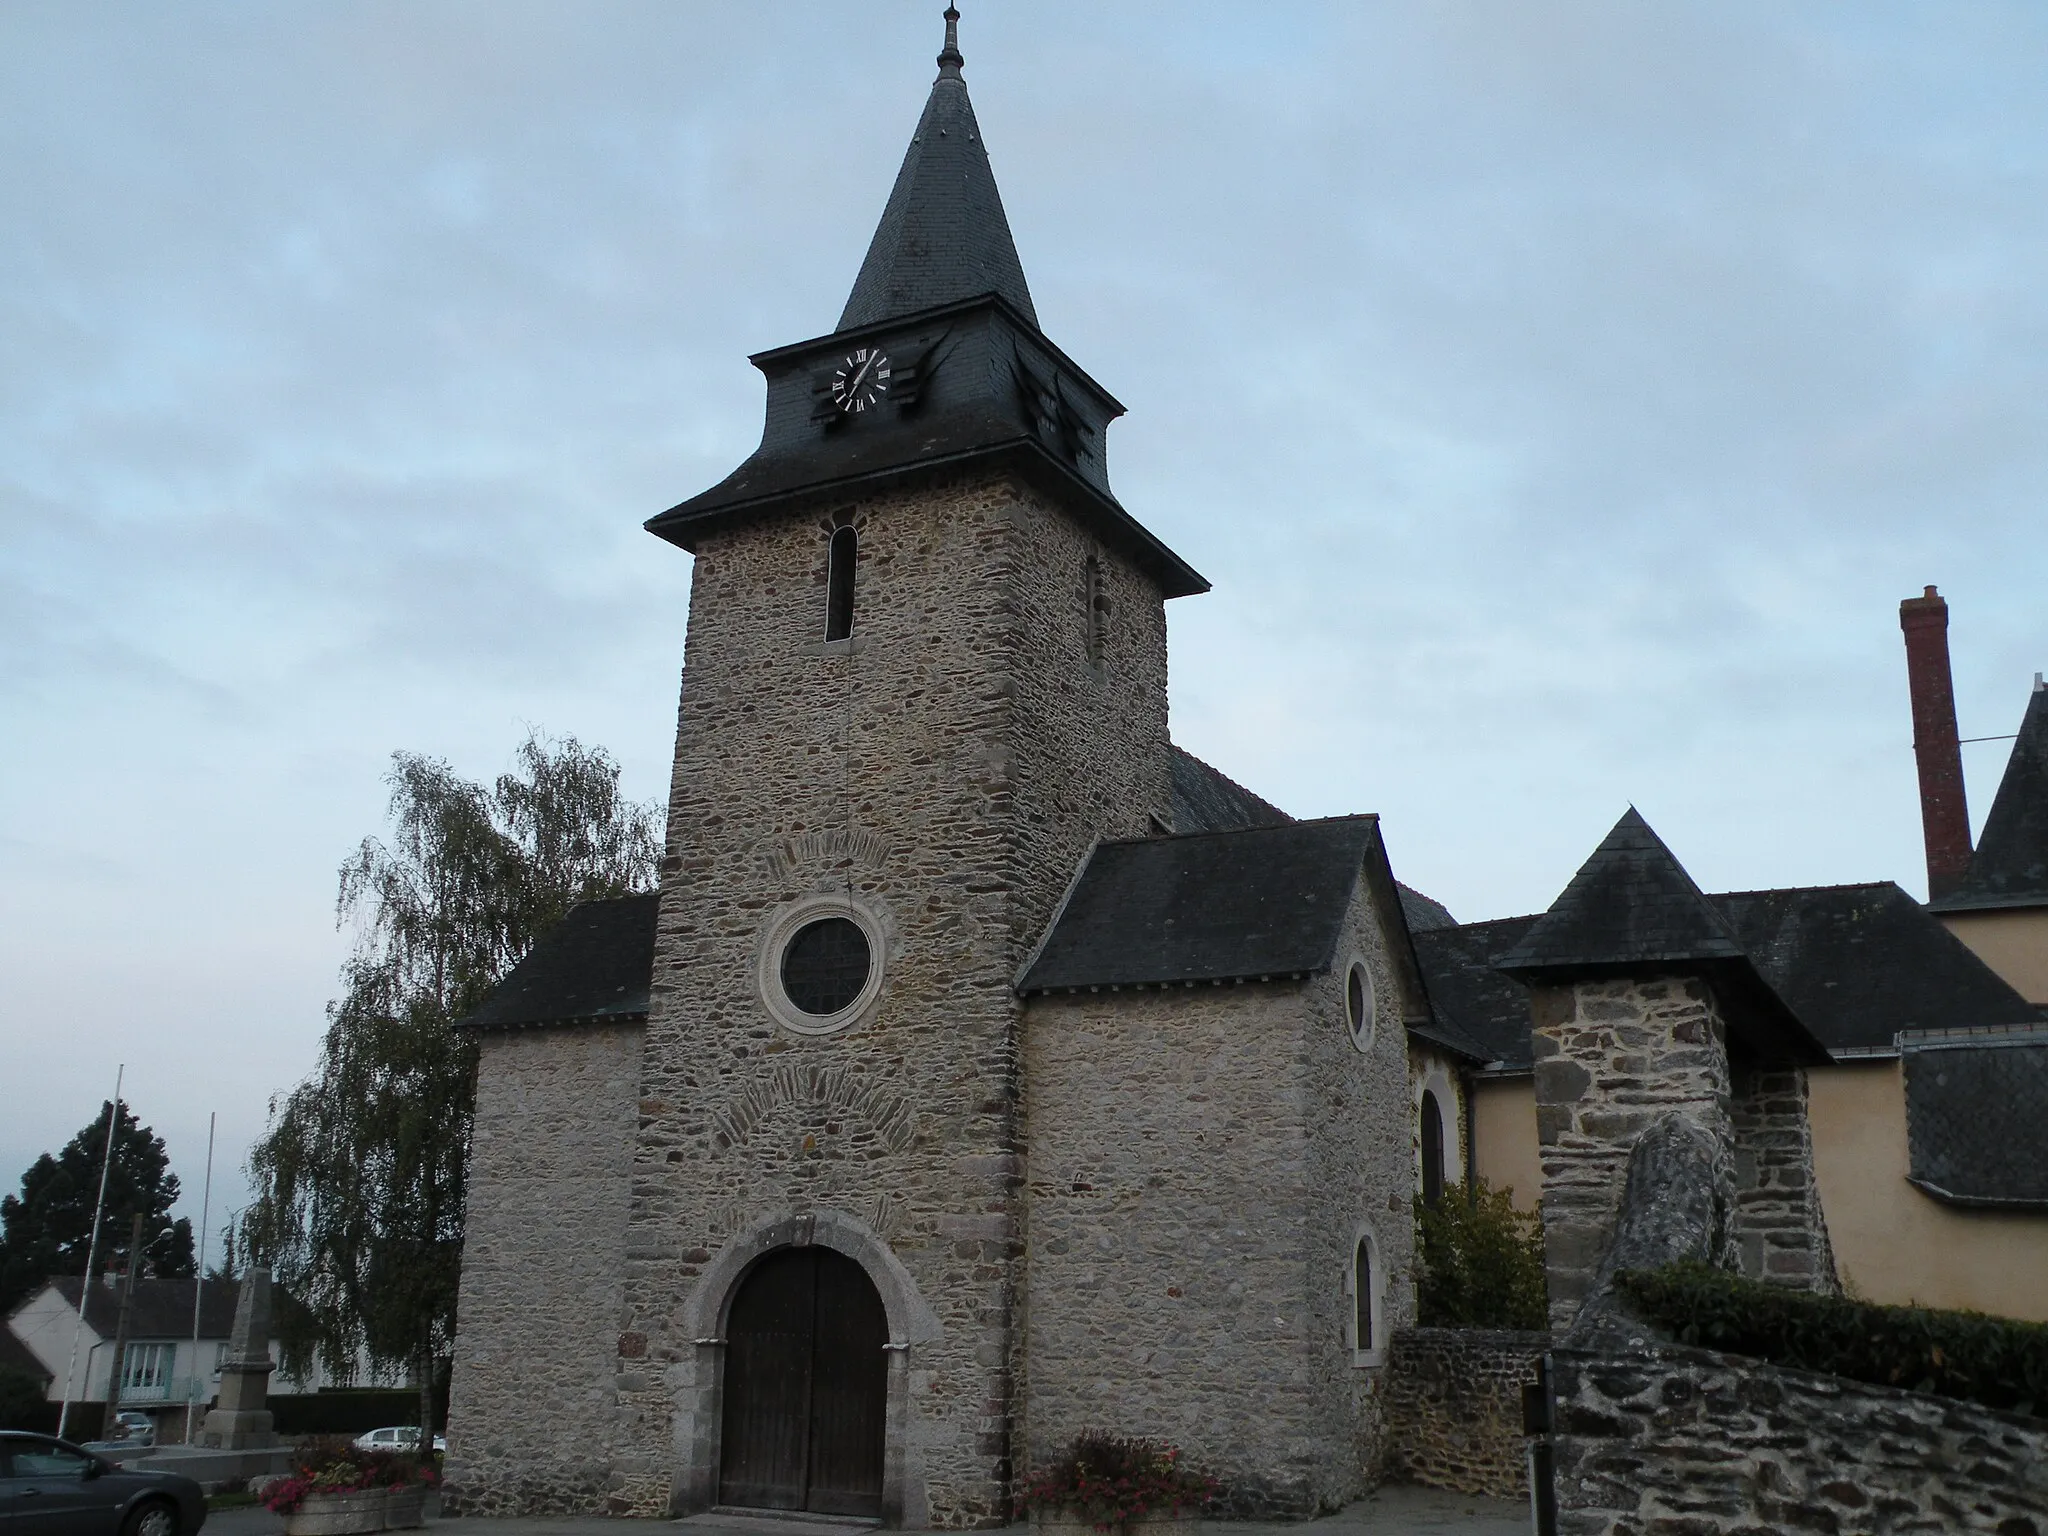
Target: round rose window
825 965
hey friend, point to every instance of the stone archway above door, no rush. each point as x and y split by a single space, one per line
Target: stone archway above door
698 1380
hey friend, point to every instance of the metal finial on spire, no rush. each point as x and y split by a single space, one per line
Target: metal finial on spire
950 58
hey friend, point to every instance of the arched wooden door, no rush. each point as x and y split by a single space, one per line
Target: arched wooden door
806 1387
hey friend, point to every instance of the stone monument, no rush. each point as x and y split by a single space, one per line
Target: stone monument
240 1421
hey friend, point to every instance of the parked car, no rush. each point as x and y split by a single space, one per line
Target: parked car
132 1428
396 1437
50 1487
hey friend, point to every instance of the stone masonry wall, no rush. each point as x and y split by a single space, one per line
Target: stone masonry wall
1454 1408
1611 1057
949 767
1200 1161
1781 1233
531 1417
1674 1440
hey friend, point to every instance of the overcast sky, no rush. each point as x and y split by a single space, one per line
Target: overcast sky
1560 396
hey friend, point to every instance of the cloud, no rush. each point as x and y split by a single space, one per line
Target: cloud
1560 397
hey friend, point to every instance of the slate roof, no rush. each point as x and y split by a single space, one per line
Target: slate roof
2010 866
1460 965
1977 1120
1630 904
596 965
1207 800
975 386
943 235
1633 909
1218 906
162 1309
1858 964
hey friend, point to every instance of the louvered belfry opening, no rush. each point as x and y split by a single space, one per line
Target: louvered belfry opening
845 551
806 1387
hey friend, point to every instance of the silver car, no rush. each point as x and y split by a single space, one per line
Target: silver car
50 1487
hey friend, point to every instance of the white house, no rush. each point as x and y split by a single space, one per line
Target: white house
165 1366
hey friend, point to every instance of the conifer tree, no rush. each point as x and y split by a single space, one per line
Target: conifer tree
46 1230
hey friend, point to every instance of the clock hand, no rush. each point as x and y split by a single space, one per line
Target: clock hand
864 367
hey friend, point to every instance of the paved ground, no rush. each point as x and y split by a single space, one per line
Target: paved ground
1390 1512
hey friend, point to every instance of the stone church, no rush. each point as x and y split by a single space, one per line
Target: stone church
987 1068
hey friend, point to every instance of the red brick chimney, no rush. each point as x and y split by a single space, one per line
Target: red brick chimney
1944 814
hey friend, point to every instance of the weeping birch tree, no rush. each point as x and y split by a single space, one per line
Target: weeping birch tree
361 1171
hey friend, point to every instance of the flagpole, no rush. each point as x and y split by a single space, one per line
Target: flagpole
199 1284
92 1248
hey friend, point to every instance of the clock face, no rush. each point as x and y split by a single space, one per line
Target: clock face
862 381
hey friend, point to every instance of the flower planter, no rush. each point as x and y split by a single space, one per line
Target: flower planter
339 1514
406 1509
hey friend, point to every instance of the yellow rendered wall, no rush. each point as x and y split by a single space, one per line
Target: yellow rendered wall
2013 943
1504 1137
1894 1244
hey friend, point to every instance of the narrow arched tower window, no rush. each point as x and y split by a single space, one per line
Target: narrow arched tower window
1098 611
839 584
1432 1148
1361 1295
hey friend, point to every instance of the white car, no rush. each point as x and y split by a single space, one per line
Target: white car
396 1437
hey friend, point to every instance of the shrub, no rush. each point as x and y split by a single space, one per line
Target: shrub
337 1466
1478 1262
1994 1361
1111 1479
344 1410
22 1404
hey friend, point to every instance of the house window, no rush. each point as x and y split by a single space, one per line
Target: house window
1432 1148
1359 1004
1365 1287
845 549
145 1370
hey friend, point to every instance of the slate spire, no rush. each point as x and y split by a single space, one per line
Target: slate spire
1630 904
2010 866
943 235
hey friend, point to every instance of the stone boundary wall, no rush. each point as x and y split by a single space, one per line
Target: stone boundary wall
1454 1408
1672 1439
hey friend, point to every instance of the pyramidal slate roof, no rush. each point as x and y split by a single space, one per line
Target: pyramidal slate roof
2010 866
596 965
1630 904
943 235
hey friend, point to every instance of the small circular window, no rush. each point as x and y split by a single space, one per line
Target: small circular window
825 966
1359 1004
818 962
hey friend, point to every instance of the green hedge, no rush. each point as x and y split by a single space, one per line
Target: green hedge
1990 1360
345 1410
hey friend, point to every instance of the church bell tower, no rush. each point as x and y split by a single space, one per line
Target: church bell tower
925 672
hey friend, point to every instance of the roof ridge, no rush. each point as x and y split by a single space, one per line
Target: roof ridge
1841 885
